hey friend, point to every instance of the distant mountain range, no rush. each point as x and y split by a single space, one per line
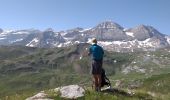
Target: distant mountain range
110 35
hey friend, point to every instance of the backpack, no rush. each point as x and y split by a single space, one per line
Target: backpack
105 80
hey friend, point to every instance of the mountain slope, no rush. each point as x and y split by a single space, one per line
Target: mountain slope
35 69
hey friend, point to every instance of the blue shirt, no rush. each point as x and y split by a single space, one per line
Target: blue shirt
96 51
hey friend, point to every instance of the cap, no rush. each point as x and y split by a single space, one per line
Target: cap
94 41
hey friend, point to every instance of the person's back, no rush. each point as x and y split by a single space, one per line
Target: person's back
97 52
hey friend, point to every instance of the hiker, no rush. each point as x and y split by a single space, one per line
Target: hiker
97 59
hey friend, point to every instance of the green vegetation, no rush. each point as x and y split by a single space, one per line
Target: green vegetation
25 71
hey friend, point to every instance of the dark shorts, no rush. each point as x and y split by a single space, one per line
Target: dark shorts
96 67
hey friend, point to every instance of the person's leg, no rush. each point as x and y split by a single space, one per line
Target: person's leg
99 71
99 80
95 79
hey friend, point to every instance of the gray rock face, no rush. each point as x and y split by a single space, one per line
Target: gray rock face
107 31
109 25
140 32
11 37
143 32
45 39
49 38
1 30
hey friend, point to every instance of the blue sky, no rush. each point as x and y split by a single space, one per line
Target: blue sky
67 14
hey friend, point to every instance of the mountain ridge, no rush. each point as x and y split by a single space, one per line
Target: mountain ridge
112 36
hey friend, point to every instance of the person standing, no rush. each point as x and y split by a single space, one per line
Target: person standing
97 53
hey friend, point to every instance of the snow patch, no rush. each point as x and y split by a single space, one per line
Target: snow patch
105 43
168 39
17 40
21 32
2 38
130 34
85 30
60 45
33 43
7 31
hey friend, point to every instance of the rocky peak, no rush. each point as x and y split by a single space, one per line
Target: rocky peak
109 25
154 31
140 28
77 29
1 30
49 29
108 30
143 32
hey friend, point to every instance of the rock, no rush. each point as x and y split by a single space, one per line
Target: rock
39 96
57 89
131 92
119 83
134 84
67 92
151 93
72 92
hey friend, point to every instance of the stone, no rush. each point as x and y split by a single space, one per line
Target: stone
72 92
39 96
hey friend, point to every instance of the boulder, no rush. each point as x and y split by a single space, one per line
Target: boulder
39 96
72 91
66 92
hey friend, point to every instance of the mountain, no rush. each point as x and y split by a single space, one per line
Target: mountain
110 35
107 31
9 37
45 39
143 32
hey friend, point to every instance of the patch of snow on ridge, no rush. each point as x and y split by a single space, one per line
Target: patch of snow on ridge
17 40
21 32
125 29
118 42
2 38
33 43
130 34
3 35
62 33
105 43
129 44
168 39
60 45
85 30
110 43
36 40
7 31
147 43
